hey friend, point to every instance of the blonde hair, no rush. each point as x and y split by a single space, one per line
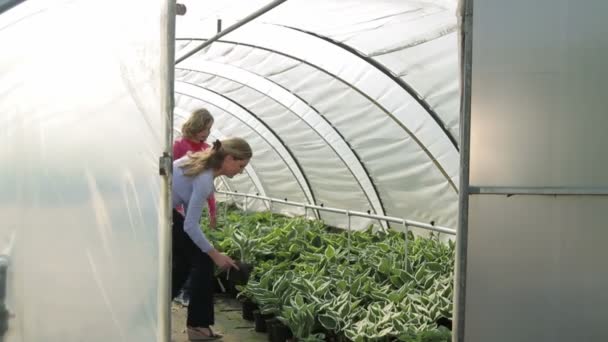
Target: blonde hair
213 158
196 123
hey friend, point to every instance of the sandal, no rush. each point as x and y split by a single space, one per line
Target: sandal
202 334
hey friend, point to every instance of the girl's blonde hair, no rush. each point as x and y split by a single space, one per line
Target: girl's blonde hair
196 123
213 158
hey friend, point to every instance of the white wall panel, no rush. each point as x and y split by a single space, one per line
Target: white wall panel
535 262
539 107
536 269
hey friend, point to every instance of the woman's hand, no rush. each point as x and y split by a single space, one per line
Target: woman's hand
221 260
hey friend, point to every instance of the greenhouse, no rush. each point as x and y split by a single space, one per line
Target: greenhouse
420 170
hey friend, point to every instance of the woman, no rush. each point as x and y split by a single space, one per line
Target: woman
195 132
193 177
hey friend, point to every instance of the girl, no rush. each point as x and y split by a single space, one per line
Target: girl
195 132
193 177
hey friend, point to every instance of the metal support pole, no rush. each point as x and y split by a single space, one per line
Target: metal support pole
4 313
406 229
226 211
270 209
231 28
165 253
349 229
245 205
308 220
314 207
462 237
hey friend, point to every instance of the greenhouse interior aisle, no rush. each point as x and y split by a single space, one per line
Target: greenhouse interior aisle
229 322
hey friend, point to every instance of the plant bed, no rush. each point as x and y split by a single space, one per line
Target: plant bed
329 286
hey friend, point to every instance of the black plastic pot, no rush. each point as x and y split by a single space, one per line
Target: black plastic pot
266 257
227 287
240 276
330 336
248 307
221 284
445 322
270 322
261 321
217 288
269 325
279 332
333 337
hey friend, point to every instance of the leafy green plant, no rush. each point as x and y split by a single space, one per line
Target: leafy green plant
364 287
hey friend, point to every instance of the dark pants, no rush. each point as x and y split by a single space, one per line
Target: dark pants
186 255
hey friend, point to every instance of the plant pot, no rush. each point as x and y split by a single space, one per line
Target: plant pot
280 332
248 307
218 285
444 322
223 285
266 257
269 326
336 338
226 285
260 321
240 276
330 336
270 322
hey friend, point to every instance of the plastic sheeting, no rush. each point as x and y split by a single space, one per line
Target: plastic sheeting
81 133
363 95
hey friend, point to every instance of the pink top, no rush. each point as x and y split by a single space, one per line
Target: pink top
181 146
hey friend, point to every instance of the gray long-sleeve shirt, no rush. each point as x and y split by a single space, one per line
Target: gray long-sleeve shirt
192 193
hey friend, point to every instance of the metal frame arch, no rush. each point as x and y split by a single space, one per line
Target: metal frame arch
323 55
404 85
397 121
277 145
299 107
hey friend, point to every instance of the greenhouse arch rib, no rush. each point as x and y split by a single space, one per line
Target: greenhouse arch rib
421 101
423 147
285 154
300 108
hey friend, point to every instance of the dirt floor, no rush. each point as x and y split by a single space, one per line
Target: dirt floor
228 321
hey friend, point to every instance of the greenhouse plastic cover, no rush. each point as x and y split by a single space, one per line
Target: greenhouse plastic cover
349 104
81 135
